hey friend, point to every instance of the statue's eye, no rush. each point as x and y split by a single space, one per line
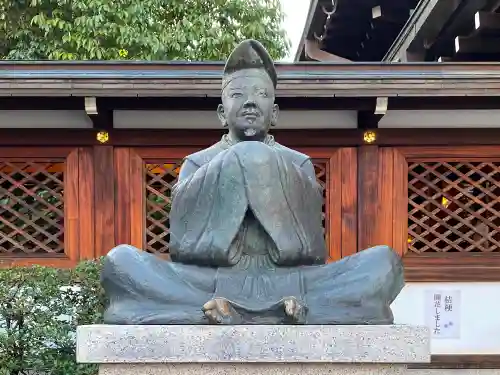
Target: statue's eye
262 93
236 94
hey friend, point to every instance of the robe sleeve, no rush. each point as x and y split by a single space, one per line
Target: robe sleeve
208 207
210 203
287 201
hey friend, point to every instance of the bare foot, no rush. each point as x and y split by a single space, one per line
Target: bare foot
220 311
295 310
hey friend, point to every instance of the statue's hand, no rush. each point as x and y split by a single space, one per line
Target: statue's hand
220 311
295 310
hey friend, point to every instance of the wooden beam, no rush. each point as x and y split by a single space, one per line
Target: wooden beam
15 138
461 361
493 6
99 113
485 22
369 119
377 12
72 103
405 38
296 81
411 56
477 45
393 15
442 59
461 267
454 26
314 52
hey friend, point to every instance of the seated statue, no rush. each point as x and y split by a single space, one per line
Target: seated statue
246 237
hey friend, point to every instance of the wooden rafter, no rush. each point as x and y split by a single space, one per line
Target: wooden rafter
453 27
486 22
408 33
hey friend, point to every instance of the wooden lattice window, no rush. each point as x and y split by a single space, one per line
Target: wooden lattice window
321 169
32 207
454 206
160 179
440 209
40 212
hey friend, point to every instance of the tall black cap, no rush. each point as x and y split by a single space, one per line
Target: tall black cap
250 54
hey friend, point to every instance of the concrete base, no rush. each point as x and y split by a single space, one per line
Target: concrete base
245 350
277 369
250 369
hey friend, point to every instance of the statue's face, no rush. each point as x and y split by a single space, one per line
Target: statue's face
248 107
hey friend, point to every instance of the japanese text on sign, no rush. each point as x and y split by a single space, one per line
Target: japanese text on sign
442 313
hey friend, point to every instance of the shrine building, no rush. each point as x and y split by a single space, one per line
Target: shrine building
401 115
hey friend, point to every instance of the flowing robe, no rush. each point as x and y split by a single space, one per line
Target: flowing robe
245 224
219 185
249 209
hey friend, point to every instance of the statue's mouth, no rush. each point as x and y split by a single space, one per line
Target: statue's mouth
250 132
251 113
250 116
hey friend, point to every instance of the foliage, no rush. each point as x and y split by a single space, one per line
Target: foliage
40 308
137 30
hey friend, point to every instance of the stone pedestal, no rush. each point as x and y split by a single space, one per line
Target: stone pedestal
245 350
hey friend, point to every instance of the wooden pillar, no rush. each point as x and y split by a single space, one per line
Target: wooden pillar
122 191
104 199
86 204
130 204
368 200
349 201
392 220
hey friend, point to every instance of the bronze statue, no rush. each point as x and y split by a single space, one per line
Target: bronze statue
246 238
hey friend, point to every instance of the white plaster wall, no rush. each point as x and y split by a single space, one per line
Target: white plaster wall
479 316
171 119
470 118
55 119
288 119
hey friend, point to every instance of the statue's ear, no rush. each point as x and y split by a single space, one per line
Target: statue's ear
275 115
222 115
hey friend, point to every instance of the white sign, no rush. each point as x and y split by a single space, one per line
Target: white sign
442 313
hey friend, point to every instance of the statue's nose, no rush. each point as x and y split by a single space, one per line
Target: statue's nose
250 102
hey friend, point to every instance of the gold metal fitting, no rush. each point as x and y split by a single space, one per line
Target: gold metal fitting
102 136
369 136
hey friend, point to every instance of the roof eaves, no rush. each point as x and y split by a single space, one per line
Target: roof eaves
310 16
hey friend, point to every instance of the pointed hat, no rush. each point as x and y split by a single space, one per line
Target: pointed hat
249 54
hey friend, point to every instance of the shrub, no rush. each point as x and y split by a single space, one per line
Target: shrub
40 308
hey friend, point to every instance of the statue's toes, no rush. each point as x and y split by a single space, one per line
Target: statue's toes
223 306
219 311
295 310
210 305
213 316
291 307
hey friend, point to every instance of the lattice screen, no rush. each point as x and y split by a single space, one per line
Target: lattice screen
31 208
160 178
454 207
321 175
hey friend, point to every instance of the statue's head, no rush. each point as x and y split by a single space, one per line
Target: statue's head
248 86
